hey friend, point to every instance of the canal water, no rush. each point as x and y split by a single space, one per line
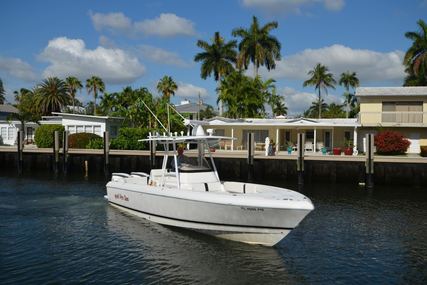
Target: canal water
63 231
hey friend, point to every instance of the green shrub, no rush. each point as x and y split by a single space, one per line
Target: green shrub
44 135
128 139
81 140
96 143
423 152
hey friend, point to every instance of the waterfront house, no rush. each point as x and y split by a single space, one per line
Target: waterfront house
9 127
190 109
402 109
79 123
318 132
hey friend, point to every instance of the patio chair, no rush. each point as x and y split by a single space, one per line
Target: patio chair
308 146
319 145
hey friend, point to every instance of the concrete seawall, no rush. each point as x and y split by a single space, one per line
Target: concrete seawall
233 166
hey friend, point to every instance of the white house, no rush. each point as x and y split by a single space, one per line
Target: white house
78 123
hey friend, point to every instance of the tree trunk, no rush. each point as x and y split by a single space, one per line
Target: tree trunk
73 103
320 105
94 103
220 103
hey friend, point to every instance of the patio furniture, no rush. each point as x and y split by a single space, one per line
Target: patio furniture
308 146
259 146
319 146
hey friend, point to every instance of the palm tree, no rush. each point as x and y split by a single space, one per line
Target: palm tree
217 58
51 95
313 111
349 79
322 80
167 87
93 85
73 85
258 46
334 111
108 103
277 104
416 56
2 92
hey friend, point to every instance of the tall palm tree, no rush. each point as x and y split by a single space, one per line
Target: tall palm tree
258 46
2 92
108 103
313 111
321 79
51 95
217 58
349 79
416 56
167 87
73 85
93 85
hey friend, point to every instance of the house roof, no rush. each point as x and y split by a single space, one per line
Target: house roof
391 91
190 108
300 122
8 109
77 116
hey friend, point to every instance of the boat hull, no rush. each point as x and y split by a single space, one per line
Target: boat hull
233 221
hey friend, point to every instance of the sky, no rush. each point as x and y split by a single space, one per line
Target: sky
135 43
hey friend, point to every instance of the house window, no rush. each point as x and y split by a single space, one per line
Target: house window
4 133
347 136
219 132
79 129
11 133
309 136
259 135
88 129
287 136
97 130
113 131
71 129
402 112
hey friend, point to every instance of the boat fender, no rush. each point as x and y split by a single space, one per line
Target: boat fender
244 188
206 187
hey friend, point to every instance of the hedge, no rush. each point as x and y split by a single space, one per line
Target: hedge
81 140
128 139
43 136
96 143
423 152
391 142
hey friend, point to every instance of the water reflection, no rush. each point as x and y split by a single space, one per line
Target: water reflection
187 256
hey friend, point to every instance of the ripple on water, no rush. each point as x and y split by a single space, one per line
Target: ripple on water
66 233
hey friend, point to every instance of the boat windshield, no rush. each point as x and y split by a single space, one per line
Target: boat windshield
193 164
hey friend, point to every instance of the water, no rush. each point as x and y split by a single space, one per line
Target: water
63 231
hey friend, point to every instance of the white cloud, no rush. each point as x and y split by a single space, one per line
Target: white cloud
369 65
188 90
165 25
17 68
291 6
71 57
114 22
161 56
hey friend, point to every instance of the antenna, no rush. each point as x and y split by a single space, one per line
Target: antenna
155 117
179 114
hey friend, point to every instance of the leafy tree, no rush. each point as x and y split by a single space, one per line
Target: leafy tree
95 85
415 58
321 79
258 46
334 111
51 95
207 113
313 111
217 58
26 103
73 85
277 104
2 93
108 104
167 87
349 79
243 96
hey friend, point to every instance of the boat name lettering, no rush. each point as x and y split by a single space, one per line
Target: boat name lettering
121 197
252 209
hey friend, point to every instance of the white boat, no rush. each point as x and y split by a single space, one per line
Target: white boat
190 195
